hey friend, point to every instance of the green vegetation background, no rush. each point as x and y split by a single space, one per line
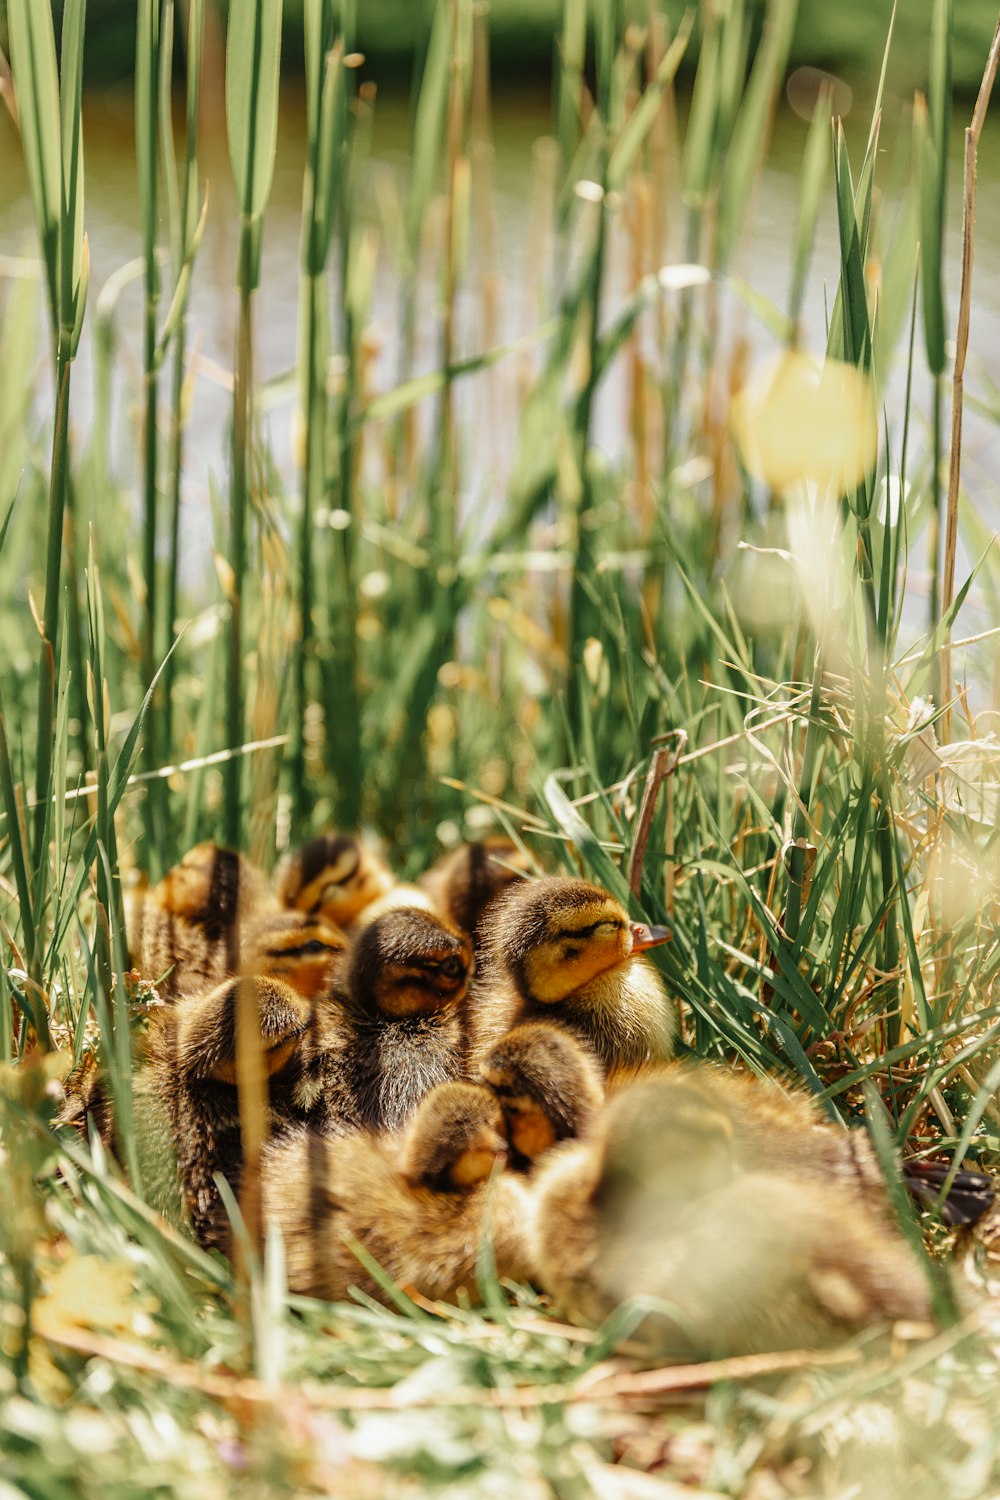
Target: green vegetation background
846 35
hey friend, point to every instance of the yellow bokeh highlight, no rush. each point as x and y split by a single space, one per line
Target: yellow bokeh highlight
801 421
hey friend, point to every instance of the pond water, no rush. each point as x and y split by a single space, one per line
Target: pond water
506 303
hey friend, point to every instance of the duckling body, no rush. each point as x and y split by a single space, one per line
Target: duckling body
404 1015
772 1128
565 952
335 876
191 1078
420 1204
185 933
658 1204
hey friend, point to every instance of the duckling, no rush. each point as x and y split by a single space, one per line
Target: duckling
334 876
565 951
548 1086
360 1055
185 932
420 1204
295 950
739 1261
191 1080
404 1015
464 882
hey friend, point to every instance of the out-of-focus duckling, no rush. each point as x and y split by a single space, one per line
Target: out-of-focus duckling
772 1128
185 932
567 952
548 1086
420 1205
404 1015
191 1076
304 951
464 882
335 876
657 1205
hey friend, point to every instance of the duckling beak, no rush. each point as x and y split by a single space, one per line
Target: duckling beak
644 936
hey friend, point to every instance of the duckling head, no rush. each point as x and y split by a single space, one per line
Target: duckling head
210 886
305 952
409 962
549 1088
471 877
456 1138
334 876
555 936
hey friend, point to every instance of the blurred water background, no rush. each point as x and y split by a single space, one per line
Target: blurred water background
505 290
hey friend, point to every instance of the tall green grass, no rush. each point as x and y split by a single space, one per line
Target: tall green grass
400 642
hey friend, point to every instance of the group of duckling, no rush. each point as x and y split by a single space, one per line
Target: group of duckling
486 1054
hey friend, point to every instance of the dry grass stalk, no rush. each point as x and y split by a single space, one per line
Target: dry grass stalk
972 134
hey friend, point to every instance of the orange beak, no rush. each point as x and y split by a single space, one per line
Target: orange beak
644 936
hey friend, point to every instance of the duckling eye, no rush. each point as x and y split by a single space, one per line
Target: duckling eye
314 945
451 968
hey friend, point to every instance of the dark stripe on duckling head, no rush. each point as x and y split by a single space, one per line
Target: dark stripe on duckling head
337 853
223 899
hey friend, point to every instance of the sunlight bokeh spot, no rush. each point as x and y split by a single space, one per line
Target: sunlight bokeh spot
798 421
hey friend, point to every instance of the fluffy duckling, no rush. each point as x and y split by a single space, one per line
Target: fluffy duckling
185 932
657 1205
404 1016
420 1205
335 876
548 1086
191 1078
300 953
464 882
567 952
771 1128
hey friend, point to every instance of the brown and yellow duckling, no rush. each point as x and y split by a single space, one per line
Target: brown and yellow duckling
420 1205
658 1203
193 1041
335 876
185 933
405 1020
191 1080
566 952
